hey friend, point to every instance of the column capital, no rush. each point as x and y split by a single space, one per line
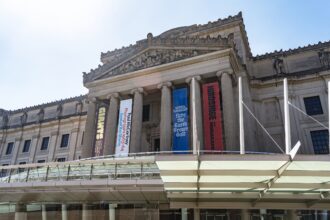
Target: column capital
166 84
225 71
137 90
91 100
113 95
198 78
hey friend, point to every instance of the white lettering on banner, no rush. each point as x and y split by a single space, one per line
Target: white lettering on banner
124 128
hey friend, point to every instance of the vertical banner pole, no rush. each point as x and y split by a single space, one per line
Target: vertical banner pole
286 118
329 112
241 122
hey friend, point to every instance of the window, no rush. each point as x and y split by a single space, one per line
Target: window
10 147
3 172
157 144
20 170
61 159
313 105
65 140
41 161
320 141
146 113
44 143
26 146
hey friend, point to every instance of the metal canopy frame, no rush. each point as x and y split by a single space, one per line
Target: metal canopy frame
204 180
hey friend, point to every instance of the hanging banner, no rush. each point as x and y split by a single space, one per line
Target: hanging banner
124 127
212 117
180 120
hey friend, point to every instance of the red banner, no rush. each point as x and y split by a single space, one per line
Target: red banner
212 117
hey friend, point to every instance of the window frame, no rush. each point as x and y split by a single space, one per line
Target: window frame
307 108
42 148
66 144
24 146
326 140
11 145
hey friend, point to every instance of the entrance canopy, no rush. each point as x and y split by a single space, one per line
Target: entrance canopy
246 181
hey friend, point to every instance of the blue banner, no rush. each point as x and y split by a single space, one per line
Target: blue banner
180 120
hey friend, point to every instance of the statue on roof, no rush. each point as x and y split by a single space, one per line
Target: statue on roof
324 57
278 66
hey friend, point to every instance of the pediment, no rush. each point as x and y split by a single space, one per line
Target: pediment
154 57
154 52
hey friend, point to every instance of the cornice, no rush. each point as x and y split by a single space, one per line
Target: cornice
297 50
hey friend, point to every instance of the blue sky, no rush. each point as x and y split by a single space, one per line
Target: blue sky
46 45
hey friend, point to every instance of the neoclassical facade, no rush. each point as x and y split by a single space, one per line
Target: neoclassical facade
177 93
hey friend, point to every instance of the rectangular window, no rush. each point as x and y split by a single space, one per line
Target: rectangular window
65 140
313 105
61 159
146 113
3 172
10 148
320 141
41 161
20 170
157 144
44 143
26 146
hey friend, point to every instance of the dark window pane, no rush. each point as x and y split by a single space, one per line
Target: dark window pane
313 105
44 143
146 113
41 161
21 169
3 172
65 140
26 146
320 141
61 159
10 147
157 144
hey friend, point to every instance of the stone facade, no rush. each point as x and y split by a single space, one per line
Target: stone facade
148 71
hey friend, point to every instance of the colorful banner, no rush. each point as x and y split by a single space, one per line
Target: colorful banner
212 117
124 127
180 120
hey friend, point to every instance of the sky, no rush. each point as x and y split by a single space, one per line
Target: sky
45 45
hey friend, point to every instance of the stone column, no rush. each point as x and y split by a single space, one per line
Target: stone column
53 144
90 127
136 133
73 141
324 215
195 113
20 212
112 211
197 214
111 125
87 213
64 212
292 215
34 146
15 152
230 118
165 117
184 214
245 214
43 212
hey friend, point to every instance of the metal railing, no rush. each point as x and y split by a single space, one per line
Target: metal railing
81 170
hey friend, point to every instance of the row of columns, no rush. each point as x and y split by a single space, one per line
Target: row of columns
196 122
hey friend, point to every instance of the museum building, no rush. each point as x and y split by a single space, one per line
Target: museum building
184 125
